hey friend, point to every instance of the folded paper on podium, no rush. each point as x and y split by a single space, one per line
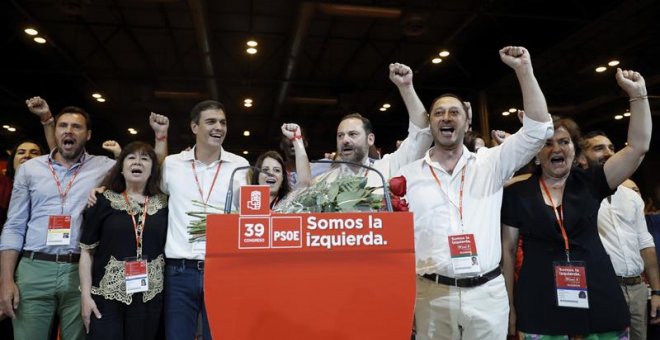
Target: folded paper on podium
310 276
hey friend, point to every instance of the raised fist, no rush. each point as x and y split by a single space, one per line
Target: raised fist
39 107
499 136
112 146
516 57
632 82
159 123
401 75
291 131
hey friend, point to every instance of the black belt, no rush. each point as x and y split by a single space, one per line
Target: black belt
465 282
629 281
192 264
59 258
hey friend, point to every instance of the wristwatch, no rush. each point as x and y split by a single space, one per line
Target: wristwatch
655 292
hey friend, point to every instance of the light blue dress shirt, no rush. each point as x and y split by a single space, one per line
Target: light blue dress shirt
35 197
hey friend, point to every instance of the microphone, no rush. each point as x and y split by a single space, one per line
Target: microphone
386 189
230 189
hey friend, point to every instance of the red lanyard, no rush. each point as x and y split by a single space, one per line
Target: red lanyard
559 216
460 192
201 193
64 193
138 232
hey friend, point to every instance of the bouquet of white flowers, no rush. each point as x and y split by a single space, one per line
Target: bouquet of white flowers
345 194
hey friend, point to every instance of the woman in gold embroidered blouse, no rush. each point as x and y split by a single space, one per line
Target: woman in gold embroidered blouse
122 250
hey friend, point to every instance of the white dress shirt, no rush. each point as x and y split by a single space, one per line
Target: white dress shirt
622 229
179 182
412 148
436 213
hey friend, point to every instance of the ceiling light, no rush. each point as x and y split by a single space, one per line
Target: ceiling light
246 133
601 69
247 104
39 40
96 95
444 53
387 106
613 63
252 43
251 50
100 100
618 117
247 100
6 126
11 129
245 152
505 113
31 31
132 131
513 110
383 109
627 114
436 60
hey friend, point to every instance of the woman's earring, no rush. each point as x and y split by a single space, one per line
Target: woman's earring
537 161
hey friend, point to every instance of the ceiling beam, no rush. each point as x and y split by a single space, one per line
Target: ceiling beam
170 34
198 12
304 18
148 63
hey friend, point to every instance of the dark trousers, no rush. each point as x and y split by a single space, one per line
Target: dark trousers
139 320
184 301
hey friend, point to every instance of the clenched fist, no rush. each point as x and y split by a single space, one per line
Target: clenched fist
516 57
39 107
160 124
291 131
112 146
401 75
632 82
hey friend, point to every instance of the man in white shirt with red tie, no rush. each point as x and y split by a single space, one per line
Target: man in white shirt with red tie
455 196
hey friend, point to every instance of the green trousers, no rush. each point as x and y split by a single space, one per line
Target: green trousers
622 335
47 290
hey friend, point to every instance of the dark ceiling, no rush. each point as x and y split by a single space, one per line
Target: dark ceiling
315 62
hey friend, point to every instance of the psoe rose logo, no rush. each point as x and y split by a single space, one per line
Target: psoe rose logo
255 200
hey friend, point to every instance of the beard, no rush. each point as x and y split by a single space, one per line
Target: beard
357 157
72 154
597 162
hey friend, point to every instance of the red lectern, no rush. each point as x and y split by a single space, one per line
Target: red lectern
309 276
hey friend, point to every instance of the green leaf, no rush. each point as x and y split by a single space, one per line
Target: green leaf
347 200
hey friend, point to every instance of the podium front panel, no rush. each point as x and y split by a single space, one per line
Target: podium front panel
310 276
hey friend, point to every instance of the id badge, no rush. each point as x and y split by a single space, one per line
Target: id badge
199 247
463 251
59 230
136 275
571 284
